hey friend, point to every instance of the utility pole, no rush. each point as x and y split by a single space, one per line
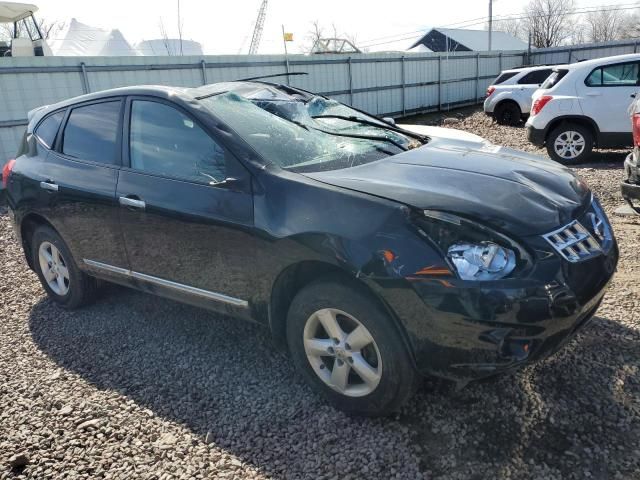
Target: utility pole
490 22
180 28
284 40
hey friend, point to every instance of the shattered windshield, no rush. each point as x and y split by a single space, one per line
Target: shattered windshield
289 132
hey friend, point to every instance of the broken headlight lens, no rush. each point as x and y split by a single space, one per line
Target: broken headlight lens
482 261
473 250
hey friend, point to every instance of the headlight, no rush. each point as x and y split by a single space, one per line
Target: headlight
473 250
482 261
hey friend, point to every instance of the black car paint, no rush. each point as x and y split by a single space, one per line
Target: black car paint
245 238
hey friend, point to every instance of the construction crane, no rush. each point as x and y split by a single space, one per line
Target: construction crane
257 31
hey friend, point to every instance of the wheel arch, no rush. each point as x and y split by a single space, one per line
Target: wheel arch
577 119
297 276
28 225
504 101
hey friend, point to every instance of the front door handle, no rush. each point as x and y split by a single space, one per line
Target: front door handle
132 202
49 185
593 94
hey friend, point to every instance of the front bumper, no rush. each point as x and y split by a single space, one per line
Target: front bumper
464 331
536 136
630 186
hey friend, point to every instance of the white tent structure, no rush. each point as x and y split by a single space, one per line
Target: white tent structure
79 39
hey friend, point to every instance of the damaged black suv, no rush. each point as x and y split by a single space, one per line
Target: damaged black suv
374 253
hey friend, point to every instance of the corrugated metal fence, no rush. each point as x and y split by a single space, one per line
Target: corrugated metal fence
384 84
576 53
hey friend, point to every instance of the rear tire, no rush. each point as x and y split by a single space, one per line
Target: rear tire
508 113
373 375
570 143
61 278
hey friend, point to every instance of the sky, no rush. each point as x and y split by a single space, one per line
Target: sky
225 27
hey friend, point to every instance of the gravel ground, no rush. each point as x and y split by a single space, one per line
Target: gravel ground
141 387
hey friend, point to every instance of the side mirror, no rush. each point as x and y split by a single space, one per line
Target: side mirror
389 120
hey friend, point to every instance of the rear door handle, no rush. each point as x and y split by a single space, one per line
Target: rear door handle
132 202
49 185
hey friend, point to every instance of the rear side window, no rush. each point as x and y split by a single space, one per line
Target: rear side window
553 79
92 132
48 128
536 77
503 77
619 75
165 141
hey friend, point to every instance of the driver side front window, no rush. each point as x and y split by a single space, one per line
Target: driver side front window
164 141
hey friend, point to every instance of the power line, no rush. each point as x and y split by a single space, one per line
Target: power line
481 20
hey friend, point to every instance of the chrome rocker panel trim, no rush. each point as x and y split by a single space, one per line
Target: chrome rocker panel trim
218 297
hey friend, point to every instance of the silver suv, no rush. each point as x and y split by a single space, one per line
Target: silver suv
509 97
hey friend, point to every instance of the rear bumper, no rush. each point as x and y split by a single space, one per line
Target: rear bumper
536 136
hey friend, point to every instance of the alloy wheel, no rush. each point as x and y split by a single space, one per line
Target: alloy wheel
342 352
569 144
54 268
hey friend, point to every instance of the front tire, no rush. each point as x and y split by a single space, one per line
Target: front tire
347 348
570 144
64 283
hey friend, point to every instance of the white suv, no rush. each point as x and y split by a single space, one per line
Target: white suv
584 105
509 97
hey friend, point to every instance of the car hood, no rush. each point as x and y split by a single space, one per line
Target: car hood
461 173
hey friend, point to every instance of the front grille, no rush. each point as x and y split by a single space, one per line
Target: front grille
573 242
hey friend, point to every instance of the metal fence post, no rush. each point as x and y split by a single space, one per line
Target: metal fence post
439 82
500 61
475 98
350 82
85 78
570 53
635 47
404 108
203 64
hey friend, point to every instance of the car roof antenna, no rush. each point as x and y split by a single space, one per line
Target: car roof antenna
270 76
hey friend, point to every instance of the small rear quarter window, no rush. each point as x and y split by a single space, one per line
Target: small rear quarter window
503 77
554 79
48 128
537 77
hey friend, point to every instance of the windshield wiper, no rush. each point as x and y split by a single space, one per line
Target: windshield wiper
364 137
423 139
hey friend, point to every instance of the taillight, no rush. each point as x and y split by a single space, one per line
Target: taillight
490 90
6 171
539 104
635 121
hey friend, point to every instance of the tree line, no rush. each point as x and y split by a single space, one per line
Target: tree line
550 23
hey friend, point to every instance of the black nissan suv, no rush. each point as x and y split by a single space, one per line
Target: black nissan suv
374 253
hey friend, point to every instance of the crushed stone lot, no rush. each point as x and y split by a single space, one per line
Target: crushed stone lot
141 387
